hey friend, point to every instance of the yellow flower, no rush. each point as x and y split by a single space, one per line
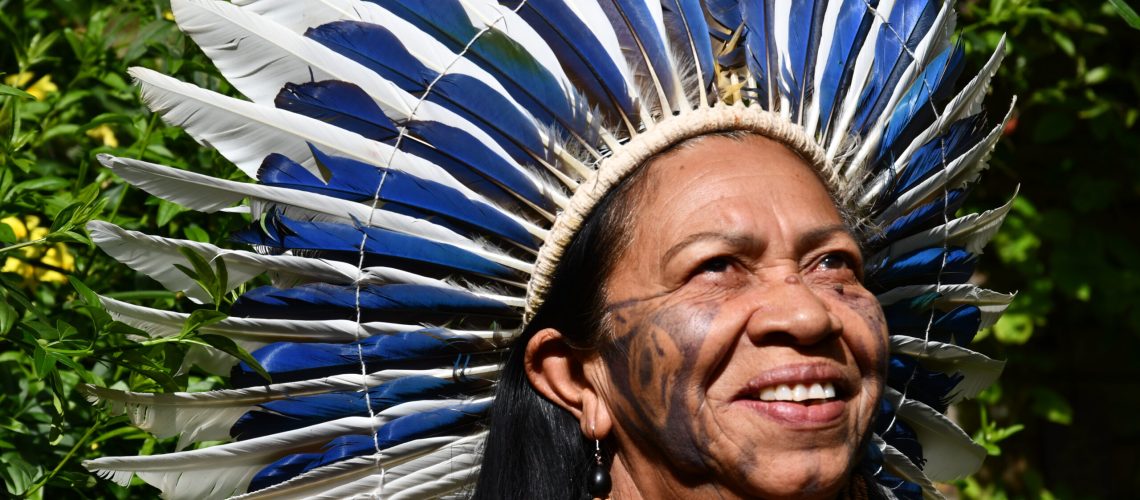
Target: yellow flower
42 88
169 16
104 133
39 90
56 255
19 79
17 226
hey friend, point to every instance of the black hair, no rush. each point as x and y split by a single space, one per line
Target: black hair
535 448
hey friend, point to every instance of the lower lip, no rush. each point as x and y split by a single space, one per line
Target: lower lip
798 414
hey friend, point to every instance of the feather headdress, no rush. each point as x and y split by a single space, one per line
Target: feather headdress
419 166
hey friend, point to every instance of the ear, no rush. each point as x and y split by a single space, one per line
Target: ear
556 372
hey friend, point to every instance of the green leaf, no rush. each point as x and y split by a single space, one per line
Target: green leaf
7 236
1014 328
13 91
1052 406
228 346
1126 13
65 218
167 211
200 318
8 317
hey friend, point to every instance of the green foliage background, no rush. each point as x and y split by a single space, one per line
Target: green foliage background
1063 421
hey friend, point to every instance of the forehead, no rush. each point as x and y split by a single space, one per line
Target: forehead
718 180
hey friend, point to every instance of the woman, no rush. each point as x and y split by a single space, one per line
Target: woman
676 221
732 350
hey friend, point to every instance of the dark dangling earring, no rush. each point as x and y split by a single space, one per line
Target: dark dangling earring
598 481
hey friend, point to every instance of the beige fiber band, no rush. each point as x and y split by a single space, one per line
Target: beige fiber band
672 130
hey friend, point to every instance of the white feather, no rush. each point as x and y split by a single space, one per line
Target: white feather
223 470
972 232
845 109
426 48
156 257
245 132
320 482
869 144
300 15
827 35
199 416
966 103
901 466
781 20
281 56
210 194
949 452
254 333
226 469
960 172
992 304
977 370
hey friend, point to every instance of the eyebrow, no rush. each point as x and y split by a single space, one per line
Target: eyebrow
806 241
734 240
820 235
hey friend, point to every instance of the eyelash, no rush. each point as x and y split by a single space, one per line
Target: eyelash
714 265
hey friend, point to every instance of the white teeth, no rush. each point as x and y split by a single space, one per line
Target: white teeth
799 392
783 393
816 391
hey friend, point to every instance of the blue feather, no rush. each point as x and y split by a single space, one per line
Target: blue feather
579 51
339 103
525 79
804 30
929 387
383 247
916 110
299 412
897 434
920 219
957 326
726 13
378 49
393 303
922 266
851 29
460 153
898 39
357 181
422 349
397 431
685 20
637 33
758 49
940 152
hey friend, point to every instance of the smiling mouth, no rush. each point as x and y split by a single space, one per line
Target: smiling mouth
818 391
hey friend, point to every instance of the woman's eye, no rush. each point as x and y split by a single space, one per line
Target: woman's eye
714 265
835 261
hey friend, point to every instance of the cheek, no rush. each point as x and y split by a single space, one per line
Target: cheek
865 330
654 370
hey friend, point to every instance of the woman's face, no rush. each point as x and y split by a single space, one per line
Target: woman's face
746 356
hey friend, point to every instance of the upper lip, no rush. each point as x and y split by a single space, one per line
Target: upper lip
804 373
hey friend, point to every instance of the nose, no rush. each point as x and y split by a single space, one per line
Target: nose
789 311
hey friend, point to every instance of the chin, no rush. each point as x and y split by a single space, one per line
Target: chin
808 475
